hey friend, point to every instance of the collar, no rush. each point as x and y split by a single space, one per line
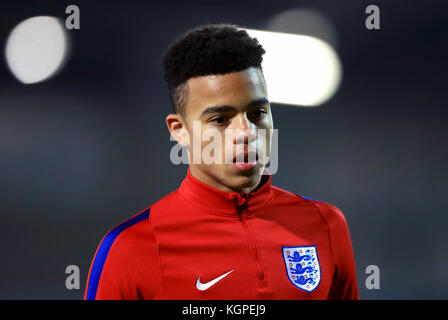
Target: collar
220 202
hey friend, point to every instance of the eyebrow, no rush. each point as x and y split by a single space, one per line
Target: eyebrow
224 108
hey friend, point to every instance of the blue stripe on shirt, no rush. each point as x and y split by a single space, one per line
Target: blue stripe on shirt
103 251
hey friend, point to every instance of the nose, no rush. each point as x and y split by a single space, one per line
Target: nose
244 131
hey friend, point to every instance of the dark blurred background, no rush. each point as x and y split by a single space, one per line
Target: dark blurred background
88 148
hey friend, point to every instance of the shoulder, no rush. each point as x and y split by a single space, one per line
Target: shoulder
126 232
140 225
117 251
137 231
291 198
329 212
123 239
335 219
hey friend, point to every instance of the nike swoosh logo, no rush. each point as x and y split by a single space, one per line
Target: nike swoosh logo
204 286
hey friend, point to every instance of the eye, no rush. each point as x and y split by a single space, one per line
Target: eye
219 120
258 114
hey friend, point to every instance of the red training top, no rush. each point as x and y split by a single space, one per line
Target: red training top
202 243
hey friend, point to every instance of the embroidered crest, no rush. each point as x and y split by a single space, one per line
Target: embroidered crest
302 266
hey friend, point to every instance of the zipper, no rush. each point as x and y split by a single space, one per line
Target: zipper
241 208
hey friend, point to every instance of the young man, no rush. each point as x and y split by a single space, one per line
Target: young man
226 233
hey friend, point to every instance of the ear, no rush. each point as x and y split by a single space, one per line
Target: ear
177 128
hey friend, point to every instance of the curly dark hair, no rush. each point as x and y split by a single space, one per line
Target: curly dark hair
207 50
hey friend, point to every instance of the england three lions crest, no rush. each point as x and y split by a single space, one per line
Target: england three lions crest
302 266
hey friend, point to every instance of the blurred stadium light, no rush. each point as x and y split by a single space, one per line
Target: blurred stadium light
36 49
299 70
301 66
306 22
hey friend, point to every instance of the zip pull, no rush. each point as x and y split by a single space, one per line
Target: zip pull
240 200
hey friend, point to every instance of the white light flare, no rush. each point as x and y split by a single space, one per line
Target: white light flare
36 49
299 70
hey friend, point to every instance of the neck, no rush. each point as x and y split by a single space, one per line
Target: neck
214 201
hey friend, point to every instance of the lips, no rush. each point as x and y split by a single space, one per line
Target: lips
244 166
245 157
245 160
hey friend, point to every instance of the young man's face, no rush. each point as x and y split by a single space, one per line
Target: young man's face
234 106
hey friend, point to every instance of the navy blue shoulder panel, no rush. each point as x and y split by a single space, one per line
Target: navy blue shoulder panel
103 251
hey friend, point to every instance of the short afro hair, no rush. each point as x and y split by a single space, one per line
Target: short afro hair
209 49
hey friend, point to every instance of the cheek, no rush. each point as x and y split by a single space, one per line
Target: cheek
213 143
268 125
268 122
264 141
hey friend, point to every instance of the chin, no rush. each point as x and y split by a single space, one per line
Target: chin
243 181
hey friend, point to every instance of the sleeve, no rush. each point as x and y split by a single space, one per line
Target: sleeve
126 265
344 286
